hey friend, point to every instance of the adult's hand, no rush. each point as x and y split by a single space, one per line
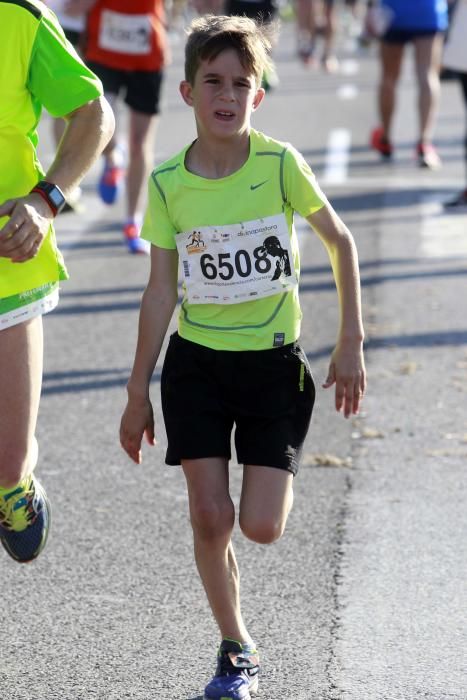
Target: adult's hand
25 231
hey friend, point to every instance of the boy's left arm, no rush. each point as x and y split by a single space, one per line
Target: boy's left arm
347 367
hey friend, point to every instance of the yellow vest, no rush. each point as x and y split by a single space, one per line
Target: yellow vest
19 167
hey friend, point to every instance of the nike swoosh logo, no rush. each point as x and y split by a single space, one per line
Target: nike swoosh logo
255 187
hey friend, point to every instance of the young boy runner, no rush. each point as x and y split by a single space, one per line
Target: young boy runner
224 206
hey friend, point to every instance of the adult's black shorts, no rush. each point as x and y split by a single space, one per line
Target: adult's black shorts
141 90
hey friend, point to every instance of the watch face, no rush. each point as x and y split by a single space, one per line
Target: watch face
55 197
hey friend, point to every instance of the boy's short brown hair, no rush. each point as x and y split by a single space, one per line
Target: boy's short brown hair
209 35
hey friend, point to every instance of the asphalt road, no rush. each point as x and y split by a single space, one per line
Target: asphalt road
364 598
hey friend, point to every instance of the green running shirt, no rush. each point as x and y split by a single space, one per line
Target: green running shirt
38 68
225 229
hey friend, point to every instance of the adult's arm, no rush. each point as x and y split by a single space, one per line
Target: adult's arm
89 128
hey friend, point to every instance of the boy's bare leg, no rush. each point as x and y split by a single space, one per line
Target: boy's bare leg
212 518
266 501
21 350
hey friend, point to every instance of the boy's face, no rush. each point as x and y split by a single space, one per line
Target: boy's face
223 96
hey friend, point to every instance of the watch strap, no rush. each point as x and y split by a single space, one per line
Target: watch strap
45 189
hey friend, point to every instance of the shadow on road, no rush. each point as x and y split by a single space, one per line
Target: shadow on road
76 381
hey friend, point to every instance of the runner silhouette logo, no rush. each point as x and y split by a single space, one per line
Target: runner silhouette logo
273 249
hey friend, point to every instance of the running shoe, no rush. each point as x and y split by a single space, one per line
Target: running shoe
305 51
24 520
135 244
427 156
457 202
330 63
237 672
380 143
111 183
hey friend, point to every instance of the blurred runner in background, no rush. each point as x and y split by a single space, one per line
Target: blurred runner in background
398 23
455 58
317 18
126 46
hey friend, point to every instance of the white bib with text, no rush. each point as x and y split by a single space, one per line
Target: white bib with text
126 34
237 263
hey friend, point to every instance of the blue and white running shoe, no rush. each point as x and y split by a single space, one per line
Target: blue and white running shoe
237 673
111 183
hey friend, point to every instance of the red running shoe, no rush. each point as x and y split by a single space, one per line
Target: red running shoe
427 156
380 143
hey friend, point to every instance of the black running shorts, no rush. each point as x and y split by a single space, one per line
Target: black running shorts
266 395
404 36
261 10
140 90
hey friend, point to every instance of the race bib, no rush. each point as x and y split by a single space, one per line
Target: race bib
236 263
126 34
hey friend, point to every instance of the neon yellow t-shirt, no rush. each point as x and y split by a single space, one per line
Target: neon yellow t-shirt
256 203
38 68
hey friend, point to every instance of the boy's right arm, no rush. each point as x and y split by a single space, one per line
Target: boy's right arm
157 306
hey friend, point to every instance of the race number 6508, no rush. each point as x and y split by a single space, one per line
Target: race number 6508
242 264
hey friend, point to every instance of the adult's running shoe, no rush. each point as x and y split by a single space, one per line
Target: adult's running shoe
111 183
24 520
380 143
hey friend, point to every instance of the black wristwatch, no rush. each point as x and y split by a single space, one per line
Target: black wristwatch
52 194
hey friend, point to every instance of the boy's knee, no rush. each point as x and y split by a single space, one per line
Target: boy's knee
262 530
212 519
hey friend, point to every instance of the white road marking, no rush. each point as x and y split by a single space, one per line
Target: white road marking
347 92
349 67
442 235
337 157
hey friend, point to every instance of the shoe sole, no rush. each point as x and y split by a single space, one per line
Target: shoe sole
435 165
386 155
252 691
108 198
455 208
383 148
225 697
